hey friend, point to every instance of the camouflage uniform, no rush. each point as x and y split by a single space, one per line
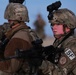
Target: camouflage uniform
20 37
67 61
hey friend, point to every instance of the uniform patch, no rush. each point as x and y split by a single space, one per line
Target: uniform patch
63 60
70 54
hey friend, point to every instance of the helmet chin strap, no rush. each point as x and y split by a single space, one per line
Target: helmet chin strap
59 36
64 30
67 35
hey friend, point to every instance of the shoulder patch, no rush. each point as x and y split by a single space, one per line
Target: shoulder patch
70 54
63 60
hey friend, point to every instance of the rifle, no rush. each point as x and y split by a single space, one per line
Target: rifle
40 53
36 55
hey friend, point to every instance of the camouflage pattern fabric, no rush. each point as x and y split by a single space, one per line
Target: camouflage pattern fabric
67 62
16 11
65 17
3 29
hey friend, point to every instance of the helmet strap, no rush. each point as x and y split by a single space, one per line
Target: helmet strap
64 27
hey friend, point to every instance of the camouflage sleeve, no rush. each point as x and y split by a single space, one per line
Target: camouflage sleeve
46 67
6 27
3 29
74 70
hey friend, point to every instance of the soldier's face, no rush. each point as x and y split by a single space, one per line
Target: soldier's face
57 30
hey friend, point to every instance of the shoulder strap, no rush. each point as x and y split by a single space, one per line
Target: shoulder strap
30 31
33 34
11 32
65 38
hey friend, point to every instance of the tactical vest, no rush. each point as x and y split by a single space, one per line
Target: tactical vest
22 28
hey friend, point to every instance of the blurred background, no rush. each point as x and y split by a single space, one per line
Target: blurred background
38 7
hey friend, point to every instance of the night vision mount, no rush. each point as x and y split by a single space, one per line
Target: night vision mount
53 7
16 1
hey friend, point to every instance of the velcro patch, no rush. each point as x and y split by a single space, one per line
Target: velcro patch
70 54
63 60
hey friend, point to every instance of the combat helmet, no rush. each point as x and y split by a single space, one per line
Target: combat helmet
16 11
64 16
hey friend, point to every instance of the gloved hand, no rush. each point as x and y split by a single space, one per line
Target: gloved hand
52 53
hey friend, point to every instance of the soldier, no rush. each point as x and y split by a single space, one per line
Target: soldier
19 37
40 30
6 26
39 26
63 23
